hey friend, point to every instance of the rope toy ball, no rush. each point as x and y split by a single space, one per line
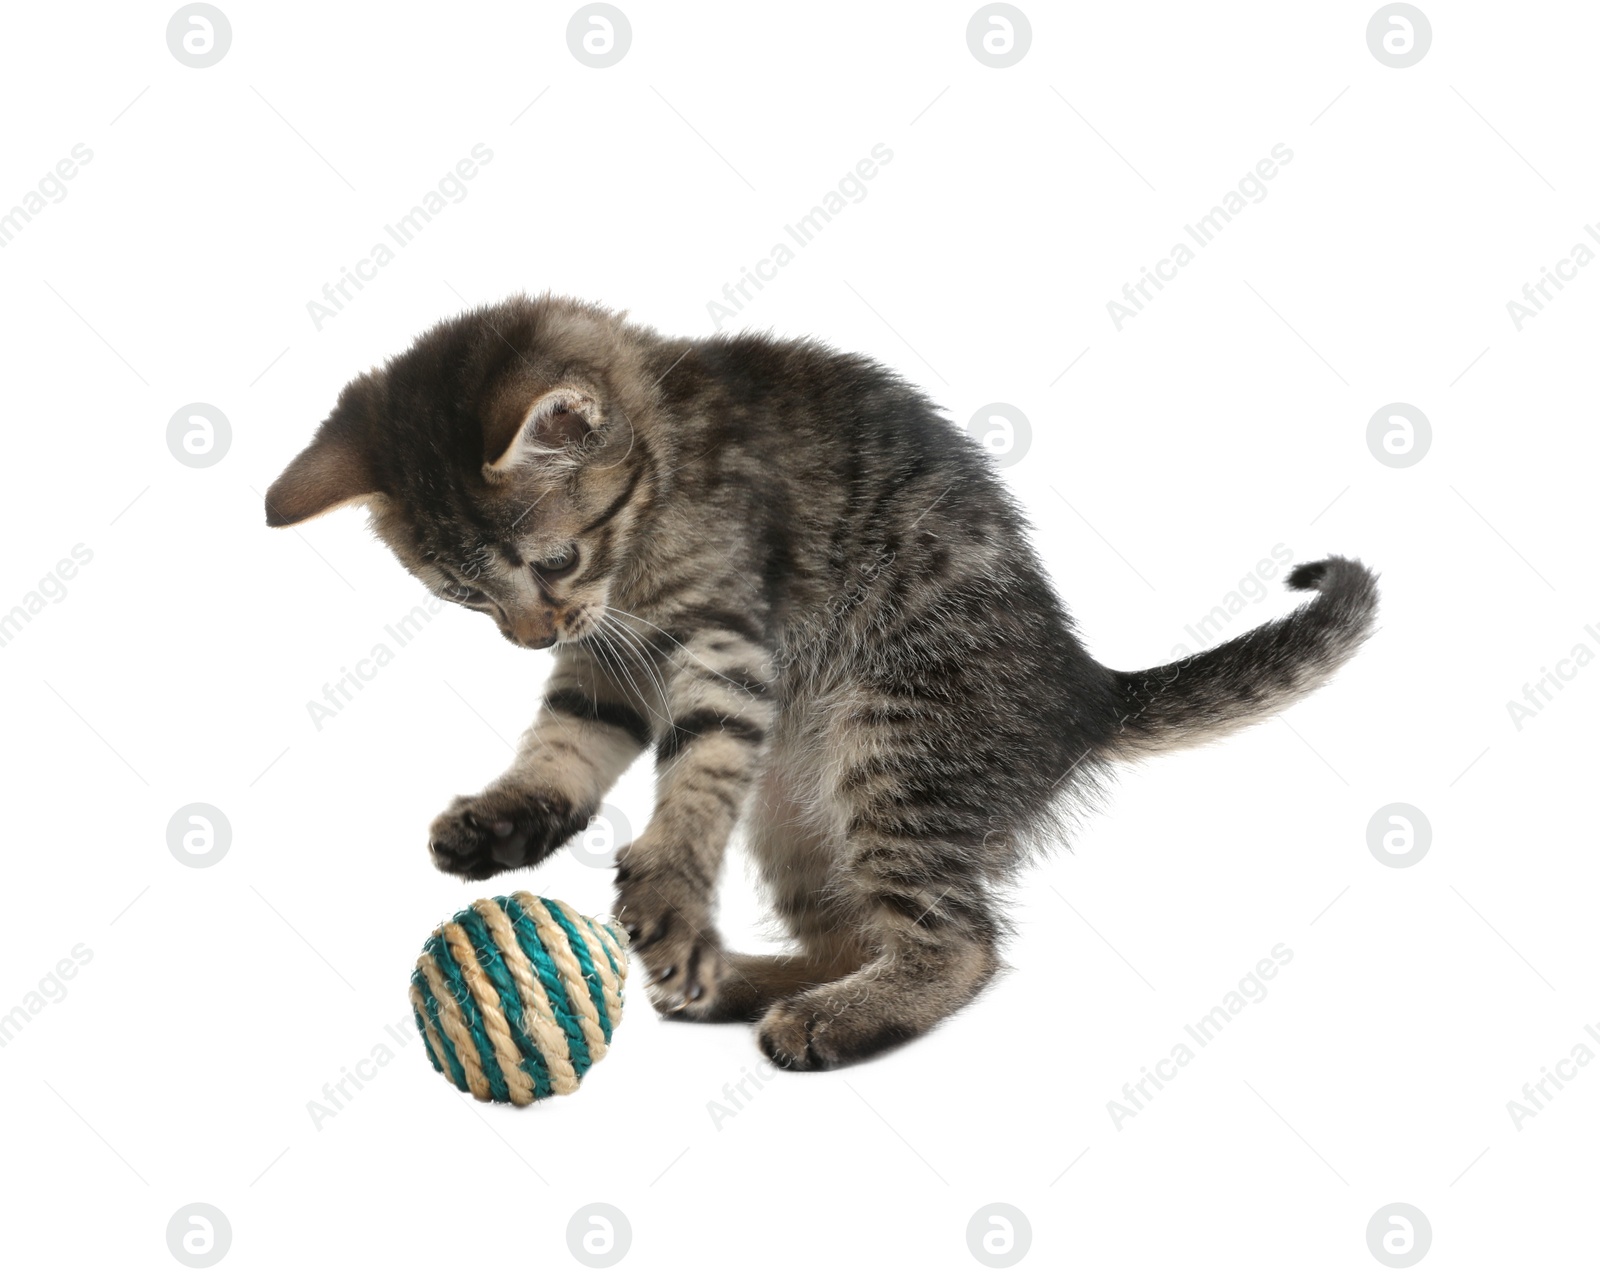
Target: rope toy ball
516 997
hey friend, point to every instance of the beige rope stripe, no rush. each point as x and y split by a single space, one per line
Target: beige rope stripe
559 947
434 1041
537 1018
607 945
455 1026
606 979
610 982
617 947
554 938
518 1082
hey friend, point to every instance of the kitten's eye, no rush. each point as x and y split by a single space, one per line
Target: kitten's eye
560 562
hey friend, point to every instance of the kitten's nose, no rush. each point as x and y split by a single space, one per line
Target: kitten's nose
536 631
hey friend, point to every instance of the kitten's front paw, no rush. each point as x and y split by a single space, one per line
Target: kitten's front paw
673 936
479 836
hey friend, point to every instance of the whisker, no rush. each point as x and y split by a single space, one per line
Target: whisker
618 636
622 678
645 653
619 671
641 619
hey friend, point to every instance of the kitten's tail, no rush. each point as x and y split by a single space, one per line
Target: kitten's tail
1257 673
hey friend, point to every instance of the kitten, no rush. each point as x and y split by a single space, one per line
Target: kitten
783 570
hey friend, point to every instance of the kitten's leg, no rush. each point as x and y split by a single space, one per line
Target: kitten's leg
753 983
589 729
911 883
719 712
936 948
797 857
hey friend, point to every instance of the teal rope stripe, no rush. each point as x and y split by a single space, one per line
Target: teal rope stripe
494 967
580 948
554 987
453 1068
611 960
457 985
603 948
426 1046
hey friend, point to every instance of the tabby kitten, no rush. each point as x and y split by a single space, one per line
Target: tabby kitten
781 568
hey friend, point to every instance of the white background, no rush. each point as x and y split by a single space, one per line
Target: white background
1229 417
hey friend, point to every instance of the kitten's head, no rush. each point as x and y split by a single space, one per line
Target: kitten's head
503 459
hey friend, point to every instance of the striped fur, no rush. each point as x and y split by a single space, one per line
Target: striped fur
810 597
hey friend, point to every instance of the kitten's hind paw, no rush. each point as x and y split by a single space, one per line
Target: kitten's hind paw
846 1021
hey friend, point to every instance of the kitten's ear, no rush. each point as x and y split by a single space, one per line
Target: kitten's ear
334 469
556 424
329 472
